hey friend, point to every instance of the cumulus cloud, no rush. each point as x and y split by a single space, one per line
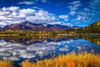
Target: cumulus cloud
42 17
12 15
26 2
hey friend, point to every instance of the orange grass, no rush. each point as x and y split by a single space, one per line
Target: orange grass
6 63
69 60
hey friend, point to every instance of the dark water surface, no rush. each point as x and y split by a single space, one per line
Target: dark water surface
19 49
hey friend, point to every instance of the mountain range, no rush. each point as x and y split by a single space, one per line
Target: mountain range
28 26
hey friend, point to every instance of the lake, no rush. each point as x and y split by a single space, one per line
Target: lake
20 49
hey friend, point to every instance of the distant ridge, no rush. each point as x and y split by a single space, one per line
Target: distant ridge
28 26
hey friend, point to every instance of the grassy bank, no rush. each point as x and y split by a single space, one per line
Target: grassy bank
69 60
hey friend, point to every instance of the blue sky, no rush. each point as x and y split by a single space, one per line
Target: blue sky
66 12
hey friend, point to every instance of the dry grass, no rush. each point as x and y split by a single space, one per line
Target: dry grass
69 60
6 63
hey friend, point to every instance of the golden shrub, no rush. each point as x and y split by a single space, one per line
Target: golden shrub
6 63
69 60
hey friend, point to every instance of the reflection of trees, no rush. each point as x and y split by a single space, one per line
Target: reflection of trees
35 39
95 40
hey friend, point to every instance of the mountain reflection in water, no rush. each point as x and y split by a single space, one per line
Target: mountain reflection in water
16 49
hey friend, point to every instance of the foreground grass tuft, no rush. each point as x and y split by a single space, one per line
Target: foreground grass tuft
6 63
69 60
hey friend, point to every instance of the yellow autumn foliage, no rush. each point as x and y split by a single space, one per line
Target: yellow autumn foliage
98 42
69 60
6 63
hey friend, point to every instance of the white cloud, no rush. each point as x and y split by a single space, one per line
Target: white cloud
77 22
86 9
63 49
42 17
78 17
65 17
74 5
95 8
28 12
3 23
90 14
12 8
75 2
38 8
26 2
72 13
32 2
69 24
12 15
58 22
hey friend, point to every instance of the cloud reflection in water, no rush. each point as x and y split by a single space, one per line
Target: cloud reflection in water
13 51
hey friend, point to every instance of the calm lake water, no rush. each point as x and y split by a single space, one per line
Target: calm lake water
19 49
